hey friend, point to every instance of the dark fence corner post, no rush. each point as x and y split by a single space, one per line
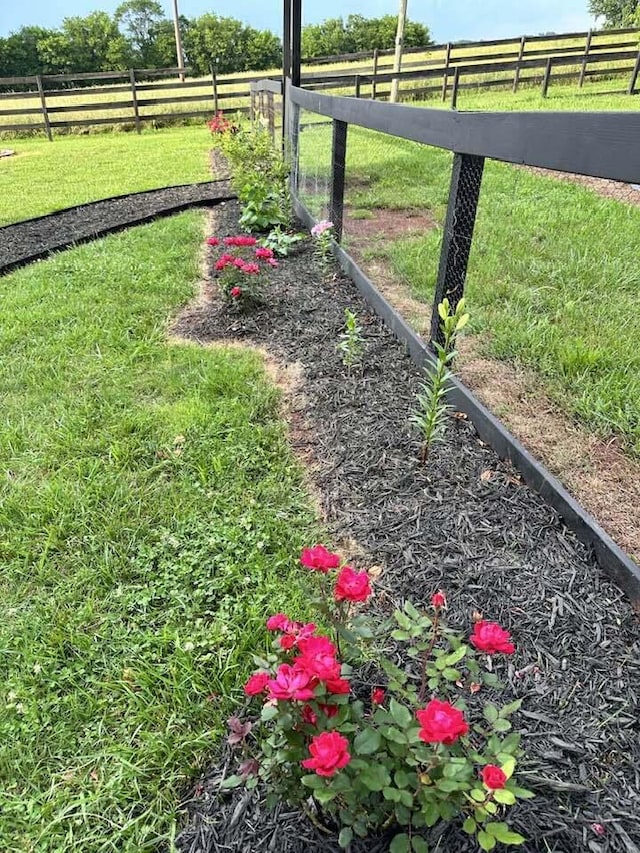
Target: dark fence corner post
338 158
466 179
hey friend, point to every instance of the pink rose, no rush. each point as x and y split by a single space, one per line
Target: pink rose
441 723
213 241
318 658
290 682
256 683
250 269
329 753
493 777
264 253
278 622
319 558
352 585
489 637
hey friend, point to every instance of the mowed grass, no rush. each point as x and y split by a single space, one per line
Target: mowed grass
45 176
553 277
150 518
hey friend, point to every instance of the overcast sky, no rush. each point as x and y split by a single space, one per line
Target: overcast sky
448 20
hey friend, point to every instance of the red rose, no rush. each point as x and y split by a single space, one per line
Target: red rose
441 723
256 683
352 585
489 637
213 241
250 269
339 686
290 683
264 253
328 710
438 600
309 715
329 753
493 777
235 292
377 696
319 558
278 622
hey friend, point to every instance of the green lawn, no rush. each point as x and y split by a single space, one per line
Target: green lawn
553 275
150 518
45 176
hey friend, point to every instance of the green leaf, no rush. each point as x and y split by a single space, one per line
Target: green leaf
394 735
508 767
402 620
504 797
506 710
522 793
391 794
313 781
490 713
501 725
400 635
431 813
324 795
232 781
451 674
375 777
401 715
478 795
406 798
268 712
453 658
469 826
400 844
486 841
419 845
502 833
447 785
367 742
346 837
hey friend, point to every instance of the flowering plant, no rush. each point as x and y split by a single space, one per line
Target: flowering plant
414 747
220 124
322 233
239 268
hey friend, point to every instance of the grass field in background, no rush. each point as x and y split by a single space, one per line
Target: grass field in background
553 275
150 518
42 176
94 96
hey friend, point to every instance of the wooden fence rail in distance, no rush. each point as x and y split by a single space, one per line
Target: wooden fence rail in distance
50 103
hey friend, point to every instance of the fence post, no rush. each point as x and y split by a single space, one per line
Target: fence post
464 192
43 103
546 78
214 81
374 73
356 85
134 99
516 76
634 75
585 59
338 158
445 76
454 94
293 111
272 116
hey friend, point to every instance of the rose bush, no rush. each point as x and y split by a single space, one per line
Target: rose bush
239 268
420 749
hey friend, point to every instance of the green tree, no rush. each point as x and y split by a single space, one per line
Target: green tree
358 33
326 39
141 21
617 13
21 52
94 43
229 45
263 50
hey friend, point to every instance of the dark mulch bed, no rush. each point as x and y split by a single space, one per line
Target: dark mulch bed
35 238
464 523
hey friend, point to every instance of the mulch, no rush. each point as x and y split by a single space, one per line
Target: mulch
464 523
36 238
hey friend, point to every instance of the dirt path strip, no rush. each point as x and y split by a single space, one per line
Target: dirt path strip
33 239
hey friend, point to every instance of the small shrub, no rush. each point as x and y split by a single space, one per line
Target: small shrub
281 241
322 234
409 753
239 268
351 343
431 417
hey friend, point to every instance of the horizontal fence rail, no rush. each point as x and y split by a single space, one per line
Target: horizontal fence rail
602 145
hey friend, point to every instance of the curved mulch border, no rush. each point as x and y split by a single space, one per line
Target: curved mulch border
32 239
465 523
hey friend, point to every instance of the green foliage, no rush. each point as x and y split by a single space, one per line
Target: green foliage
617 13
431 415
229 45
281 241
382 762
150 519
357 33
351 343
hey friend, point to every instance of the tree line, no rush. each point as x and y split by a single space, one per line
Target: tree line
617 13
138 35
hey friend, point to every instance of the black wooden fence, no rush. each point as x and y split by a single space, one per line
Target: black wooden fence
602 145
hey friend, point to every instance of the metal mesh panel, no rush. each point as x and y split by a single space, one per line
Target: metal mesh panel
314 162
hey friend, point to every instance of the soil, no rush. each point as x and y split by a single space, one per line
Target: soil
597 472
35 238
464 523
